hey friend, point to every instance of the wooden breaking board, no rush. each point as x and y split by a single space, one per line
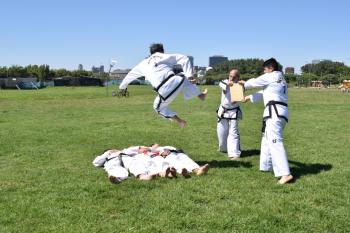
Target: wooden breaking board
237 92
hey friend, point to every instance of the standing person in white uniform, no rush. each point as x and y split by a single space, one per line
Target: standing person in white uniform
158 70
275 97
228 115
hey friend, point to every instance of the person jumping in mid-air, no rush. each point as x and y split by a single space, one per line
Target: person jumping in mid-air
158 70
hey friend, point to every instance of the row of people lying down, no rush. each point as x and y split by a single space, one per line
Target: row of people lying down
146 163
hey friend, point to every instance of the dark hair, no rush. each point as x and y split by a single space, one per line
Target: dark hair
272 62
156 47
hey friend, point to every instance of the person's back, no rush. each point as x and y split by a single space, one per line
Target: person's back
158 71
277 89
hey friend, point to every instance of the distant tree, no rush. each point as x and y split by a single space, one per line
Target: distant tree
305 79
330 78
252 66
3 71
17 71
62 73
324 67
290 77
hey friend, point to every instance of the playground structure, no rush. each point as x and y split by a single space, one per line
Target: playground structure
345 86
317 84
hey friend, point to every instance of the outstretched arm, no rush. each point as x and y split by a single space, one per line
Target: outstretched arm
100 160
255 97
186 65
260 81
136 72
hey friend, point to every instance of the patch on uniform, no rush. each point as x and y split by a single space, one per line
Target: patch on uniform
274 140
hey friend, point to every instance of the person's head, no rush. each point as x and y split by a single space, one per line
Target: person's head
154 146
234 75
143 149
156 47
270 65
110 150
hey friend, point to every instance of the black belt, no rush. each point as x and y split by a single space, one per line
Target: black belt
163 82
272 102
119 157
230 109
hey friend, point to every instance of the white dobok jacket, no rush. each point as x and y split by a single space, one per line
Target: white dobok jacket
227 109
158 70
274 94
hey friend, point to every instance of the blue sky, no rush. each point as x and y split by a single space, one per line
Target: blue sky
66 33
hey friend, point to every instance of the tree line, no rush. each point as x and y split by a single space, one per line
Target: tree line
43 72
328 71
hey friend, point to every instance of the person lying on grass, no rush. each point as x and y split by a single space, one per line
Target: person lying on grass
146 163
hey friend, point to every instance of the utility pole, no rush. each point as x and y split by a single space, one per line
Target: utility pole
111 64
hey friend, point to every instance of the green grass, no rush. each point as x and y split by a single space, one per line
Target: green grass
49 137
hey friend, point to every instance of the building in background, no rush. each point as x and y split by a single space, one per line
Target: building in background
119 74
289 70
191 60
80 67
217 60
100 69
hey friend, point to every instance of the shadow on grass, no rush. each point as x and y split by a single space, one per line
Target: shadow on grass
304 169
226 163
248 153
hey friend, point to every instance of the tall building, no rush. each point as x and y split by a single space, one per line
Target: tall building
191 60
217 60
289 70
80 67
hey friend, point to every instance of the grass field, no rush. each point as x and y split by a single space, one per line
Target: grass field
49 137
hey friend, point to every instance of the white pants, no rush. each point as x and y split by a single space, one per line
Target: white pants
272 153
162 106
180 161
144 164
114 168
228 137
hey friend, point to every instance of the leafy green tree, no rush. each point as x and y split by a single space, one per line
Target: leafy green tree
3 71
324 67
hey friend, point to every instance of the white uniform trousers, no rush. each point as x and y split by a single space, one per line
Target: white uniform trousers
161 106
272 152
228 137
115 168
180 161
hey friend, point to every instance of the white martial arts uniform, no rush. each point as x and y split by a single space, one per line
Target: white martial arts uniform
178 159
274 93
112 164
227 127
158 70
142 163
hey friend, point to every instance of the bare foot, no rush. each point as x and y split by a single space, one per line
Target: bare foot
285 179
202 170
165 174
185 173
202 95
173 172
182 123
146 177
179 121
235 158
114 180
